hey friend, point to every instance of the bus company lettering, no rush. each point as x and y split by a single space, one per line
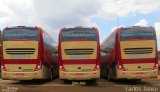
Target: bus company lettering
136 35
79 35
20 35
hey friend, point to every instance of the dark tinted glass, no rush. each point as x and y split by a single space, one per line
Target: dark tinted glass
79 34
137 33
20 33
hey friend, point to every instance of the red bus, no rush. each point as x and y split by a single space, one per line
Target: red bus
158 64
130 53
28 53
79 53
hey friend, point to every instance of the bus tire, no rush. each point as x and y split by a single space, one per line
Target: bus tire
108 75
137 80
66 81
52 74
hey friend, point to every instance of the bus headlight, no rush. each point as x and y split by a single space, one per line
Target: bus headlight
61 68
1 66
155 67
121 68
39 67
96 68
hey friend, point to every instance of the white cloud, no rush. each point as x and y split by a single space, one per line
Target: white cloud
110 31
157 28
142 22
114 28
16 12
113 8
62 13
55 14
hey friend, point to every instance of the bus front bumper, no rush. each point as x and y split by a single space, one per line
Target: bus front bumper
137 74
22 75
79 75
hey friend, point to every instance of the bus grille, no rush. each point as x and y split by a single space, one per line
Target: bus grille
20 50
79 51
138 50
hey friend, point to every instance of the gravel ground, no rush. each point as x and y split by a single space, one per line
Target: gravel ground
101 85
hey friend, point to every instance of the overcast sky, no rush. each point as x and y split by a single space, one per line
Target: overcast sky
52 15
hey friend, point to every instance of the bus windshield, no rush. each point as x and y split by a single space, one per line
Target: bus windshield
137 33
20 33
79 34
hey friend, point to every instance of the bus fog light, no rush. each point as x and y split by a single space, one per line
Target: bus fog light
4 73
94 72
35 73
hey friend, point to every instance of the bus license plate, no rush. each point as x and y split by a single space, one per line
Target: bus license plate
79 74
19 74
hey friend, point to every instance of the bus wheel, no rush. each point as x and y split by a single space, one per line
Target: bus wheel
137 80
52 74
66 81
51 77
108 75
134 81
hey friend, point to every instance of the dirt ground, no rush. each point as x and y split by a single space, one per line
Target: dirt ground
100 85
